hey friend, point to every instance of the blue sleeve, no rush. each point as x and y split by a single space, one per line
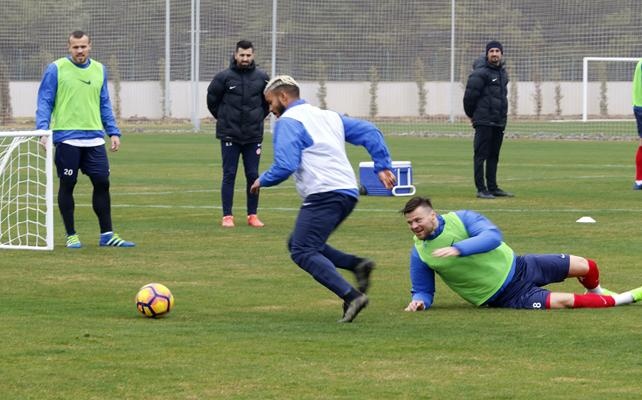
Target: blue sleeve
46 97
363 133
483 235
106 113
290 139
422 278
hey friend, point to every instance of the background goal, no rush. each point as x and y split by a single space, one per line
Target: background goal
26 190
596 93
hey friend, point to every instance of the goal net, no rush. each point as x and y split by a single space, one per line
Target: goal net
606 86
26 190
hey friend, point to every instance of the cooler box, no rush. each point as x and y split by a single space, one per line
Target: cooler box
370 185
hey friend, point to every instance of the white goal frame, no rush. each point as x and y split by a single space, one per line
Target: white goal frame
585 62
48 242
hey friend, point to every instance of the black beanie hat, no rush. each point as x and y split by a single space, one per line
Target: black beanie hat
494 44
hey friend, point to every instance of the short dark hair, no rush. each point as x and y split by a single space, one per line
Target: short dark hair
244 44
78 35
415 203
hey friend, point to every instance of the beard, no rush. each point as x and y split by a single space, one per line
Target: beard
278 110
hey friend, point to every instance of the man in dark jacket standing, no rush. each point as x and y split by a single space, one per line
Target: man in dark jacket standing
486 104
235 99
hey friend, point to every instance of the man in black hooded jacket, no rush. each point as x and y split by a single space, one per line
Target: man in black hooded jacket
486 104
235 99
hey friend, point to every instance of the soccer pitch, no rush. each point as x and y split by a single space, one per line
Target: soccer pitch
249 324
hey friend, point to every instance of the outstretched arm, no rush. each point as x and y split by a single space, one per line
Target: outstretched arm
422 279
366 134
290 139
363 133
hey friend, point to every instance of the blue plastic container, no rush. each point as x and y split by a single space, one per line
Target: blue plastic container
370 185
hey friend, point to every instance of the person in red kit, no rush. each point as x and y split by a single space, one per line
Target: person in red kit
637 110
468 252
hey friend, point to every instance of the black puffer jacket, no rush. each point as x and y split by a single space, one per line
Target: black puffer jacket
235 99
485 99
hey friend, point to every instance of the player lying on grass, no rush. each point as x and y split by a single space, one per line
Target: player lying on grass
466 249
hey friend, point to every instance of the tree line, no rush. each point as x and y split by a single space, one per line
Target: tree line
344 39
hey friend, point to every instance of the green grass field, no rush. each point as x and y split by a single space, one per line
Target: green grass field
249 324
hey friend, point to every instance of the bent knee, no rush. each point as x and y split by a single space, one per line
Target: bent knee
298 255
578 266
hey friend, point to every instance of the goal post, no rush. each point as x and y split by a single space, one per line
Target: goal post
585 77
26 190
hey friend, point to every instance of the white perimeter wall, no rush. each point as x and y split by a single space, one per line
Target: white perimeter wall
142 99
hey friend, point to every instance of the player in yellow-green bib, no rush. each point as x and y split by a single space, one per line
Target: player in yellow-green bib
468 252
73 101
637 111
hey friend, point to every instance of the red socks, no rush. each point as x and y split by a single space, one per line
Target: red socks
590 281
592 300
592 277
638 164
588 300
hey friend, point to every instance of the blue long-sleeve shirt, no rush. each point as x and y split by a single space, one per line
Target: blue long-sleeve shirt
47 101
484 236
291 138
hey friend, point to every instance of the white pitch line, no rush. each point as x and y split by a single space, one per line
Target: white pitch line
173 192
386 210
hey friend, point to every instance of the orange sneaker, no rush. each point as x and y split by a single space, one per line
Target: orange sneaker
228 221
254 221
